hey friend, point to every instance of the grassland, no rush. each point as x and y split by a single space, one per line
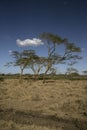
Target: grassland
32 105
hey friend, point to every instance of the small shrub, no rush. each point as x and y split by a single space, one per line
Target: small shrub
1 79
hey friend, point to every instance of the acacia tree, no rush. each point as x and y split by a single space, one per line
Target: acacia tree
52 42
21 59
71 72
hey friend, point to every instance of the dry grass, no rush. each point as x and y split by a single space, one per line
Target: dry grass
62 98
10 125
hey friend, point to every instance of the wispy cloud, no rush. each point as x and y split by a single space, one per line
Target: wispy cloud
10 51
29 42
83 49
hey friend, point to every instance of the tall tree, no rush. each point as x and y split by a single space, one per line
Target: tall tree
51 41
68 53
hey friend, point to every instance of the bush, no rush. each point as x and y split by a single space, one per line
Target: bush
1 79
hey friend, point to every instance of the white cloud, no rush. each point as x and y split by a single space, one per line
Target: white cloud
29 42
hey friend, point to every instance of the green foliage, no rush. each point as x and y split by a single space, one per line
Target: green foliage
72 47
52 38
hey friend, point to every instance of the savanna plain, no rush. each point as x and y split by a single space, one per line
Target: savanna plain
32 105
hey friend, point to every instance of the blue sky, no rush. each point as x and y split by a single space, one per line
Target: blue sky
26 19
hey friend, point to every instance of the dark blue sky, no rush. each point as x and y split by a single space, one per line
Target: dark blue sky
25 19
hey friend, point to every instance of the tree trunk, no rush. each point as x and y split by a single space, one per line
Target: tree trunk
45 74
21 73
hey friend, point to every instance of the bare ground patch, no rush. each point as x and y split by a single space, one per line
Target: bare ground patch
38 119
